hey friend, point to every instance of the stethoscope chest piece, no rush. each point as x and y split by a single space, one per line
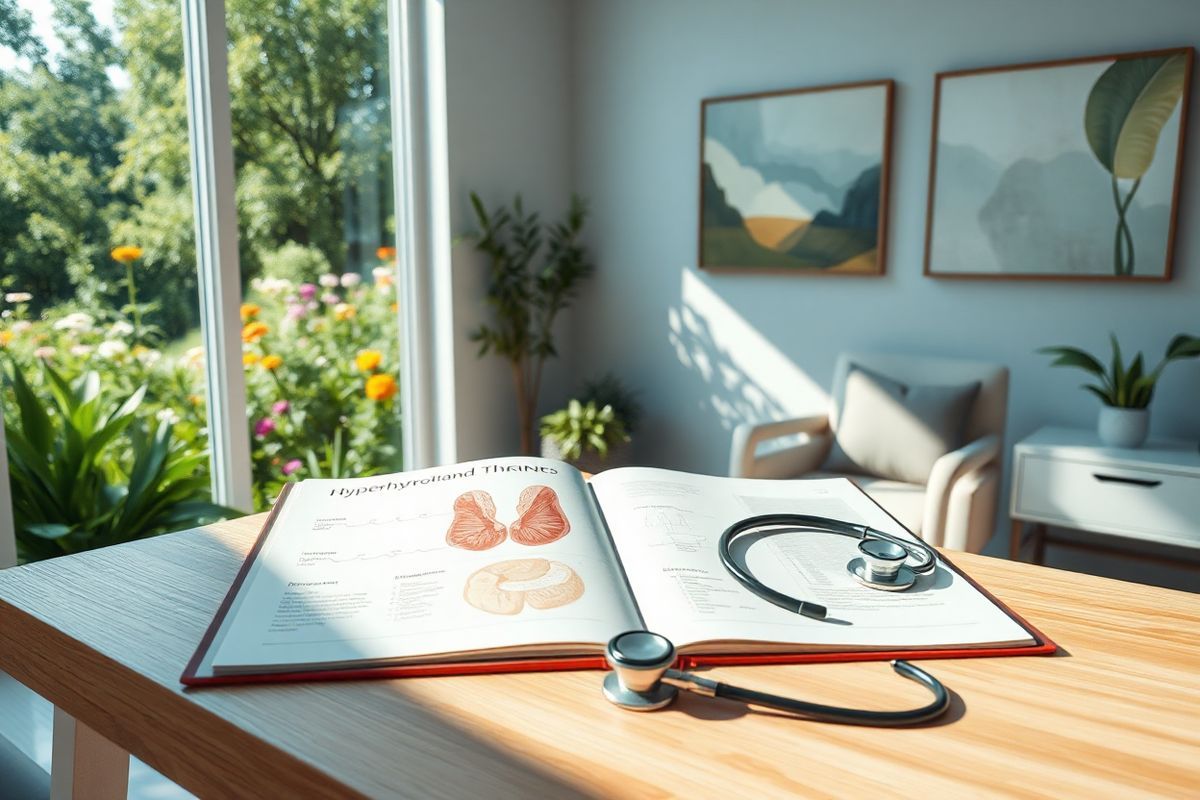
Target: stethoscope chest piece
638 660
881 566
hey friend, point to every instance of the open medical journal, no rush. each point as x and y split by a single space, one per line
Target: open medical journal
521 563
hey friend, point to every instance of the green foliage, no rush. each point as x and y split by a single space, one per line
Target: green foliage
310 415
526 293
87 472
1126 110
581 428
1123 385
609 390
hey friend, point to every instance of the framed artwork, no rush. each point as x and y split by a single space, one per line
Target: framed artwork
1058 170
796 181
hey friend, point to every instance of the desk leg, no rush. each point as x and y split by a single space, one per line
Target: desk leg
1039 544
1014 544
84 765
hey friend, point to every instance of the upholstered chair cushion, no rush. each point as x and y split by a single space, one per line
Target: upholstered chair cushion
894 430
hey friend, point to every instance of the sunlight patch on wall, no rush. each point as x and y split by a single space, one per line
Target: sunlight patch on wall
747 377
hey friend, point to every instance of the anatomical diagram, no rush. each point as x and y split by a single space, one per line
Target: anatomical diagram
474 526
540 520
508 586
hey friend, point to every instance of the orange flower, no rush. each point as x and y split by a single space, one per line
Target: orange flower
126 253
272 362
249 359
344 311
367 360
250 310
5 338
195 399
386 253
394 307
381 387
254 331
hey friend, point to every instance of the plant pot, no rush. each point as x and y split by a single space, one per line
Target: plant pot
1123 427
588 462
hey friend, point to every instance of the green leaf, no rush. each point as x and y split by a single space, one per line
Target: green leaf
49 530
1104 396
1073 357
1127 109
1183 346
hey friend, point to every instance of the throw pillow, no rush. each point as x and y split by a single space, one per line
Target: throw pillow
892 430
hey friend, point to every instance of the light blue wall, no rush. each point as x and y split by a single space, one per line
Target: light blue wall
710 350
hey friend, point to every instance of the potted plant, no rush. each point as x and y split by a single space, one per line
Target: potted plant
583 434
1125 389
526 291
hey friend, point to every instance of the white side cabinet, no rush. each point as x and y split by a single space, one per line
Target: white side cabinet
1066 477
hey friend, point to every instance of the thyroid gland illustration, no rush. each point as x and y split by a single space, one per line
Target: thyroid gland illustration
540 520
507 586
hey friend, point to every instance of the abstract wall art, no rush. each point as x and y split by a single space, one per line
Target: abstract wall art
1059 169
796 181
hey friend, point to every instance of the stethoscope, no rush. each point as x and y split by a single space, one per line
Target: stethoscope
642 678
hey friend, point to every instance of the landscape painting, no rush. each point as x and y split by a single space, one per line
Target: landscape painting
796 181
1058 170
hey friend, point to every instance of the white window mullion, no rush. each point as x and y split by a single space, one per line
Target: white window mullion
8 531
419 146
213 191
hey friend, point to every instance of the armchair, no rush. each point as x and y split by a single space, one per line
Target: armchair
955 507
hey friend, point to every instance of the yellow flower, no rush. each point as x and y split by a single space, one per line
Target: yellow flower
254 331
344 311
394 307
250 310
5 338
272 362
367 360
126 253
195 399
249 359
381 387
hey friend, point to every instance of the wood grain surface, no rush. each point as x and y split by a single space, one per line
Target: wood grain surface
105 635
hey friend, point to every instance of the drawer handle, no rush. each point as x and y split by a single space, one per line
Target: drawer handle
1149 484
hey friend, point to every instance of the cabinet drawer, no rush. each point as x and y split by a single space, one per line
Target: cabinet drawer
1141 502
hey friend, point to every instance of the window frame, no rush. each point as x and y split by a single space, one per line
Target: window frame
416 56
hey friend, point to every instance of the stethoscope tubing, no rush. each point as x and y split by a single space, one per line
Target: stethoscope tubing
852 716
787 523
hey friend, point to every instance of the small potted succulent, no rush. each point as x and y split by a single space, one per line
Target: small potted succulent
1125 389
593 431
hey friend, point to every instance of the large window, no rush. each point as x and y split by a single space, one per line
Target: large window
104 379
106 354
312 142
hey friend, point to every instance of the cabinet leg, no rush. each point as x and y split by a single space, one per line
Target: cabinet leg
1039 544
84 765
1014 543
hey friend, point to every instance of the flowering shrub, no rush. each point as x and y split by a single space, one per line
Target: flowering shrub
320 365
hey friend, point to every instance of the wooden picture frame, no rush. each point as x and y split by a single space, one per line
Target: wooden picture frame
1013 234
822 193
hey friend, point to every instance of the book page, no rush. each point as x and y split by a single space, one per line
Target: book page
666 526
505 553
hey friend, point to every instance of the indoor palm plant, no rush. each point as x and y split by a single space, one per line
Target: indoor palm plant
583 434
1124 389
526 291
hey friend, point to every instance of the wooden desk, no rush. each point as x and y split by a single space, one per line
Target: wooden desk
105 635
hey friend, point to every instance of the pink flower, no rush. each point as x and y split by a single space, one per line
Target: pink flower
264 427
281 407
330 298
296 311
308 291
292 466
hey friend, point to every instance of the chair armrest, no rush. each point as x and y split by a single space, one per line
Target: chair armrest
744 463
946 470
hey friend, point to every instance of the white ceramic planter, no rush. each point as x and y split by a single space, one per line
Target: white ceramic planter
1123 427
